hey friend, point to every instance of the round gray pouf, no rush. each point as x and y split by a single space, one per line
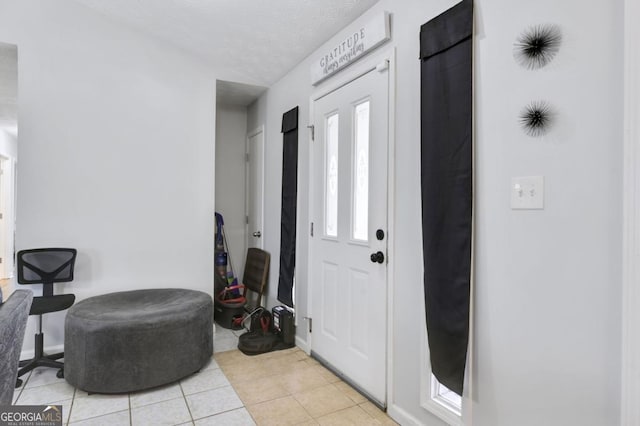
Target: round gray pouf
134 340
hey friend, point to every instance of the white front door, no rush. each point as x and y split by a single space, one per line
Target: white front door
255 188
349 245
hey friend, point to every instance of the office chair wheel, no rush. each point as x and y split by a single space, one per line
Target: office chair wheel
60 374
18 383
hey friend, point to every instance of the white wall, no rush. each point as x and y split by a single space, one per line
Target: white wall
548 286
231 133
116 152
549 283
8 144
9 152
289 92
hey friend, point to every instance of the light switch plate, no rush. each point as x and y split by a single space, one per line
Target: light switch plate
527 193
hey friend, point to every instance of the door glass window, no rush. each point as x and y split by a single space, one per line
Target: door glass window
331 176
360 219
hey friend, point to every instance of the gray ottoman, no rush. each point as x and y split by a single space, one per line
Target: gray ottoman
133 340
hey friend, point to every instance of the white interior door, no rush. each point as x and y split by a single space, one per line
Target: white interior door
348 248
255 188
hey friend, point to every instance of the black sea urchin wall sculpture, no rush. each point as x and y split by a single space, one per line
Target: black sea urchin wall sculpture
537 46
536 118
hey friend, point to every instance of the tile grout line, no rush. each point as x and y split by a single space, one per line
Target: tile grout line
223 412
73 399
305 409
186 403
314 418
75 393
231 384
98 416
245 406
23 387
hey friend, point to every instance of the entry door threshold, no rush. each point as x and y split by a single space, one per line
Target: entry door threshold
344 378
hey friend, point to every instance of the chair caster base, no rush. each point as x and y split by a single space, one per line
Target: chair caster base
60 374
18 383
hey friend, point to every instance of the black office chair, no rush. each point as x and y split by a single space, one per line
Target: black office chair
46 266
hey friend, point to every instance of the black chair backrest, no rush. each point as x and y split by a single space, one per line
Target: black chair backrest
46 266
256 274
256 270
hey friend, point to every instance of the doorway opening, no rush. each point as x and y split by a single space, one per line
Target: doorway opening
233 101
8 157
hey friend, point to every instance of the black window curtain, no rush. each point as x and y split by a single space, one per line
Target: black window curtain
446 133
289 206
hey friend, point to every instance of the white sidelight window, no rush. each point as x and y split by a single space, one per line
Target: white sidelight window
360 210
331 176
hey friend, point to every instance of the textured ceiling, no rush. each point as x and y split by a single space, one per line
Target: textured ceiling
254 41
8 87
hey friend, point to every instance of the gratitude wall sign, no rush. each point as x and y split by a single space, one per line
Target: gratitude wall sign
359 41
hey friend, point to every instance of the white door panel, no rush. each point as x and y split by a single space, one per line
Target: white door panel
255 189
349 204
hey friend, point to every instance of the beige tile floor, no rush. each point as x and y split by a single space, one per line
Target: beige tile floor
278 388
290 388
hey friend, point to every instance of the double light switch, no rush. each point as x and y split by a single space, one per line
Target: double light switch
527 193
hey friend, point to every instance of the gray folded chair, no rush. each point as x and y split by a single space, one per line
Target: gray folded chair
14 313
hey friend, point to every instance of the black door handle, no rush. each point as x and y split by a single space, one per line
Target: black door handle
377 257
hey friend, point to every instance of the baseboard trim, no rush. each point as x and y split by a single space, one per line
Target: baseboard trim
400 416
303 344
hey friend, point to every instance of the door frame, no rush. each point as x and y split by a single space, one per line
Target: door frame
353 72
630 379
258 130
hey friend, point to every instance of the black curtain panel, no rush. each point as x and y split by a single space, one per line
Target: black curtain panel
446 133
289 206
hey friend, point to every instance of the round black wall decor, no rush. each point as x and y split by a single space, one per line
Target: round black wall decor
537 45
536 118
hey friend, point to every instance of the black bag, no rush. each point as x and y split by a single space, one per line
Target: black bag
256 342
260 338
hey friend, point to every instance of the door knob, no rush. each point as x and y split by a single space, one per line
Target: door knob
257 234
377 257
